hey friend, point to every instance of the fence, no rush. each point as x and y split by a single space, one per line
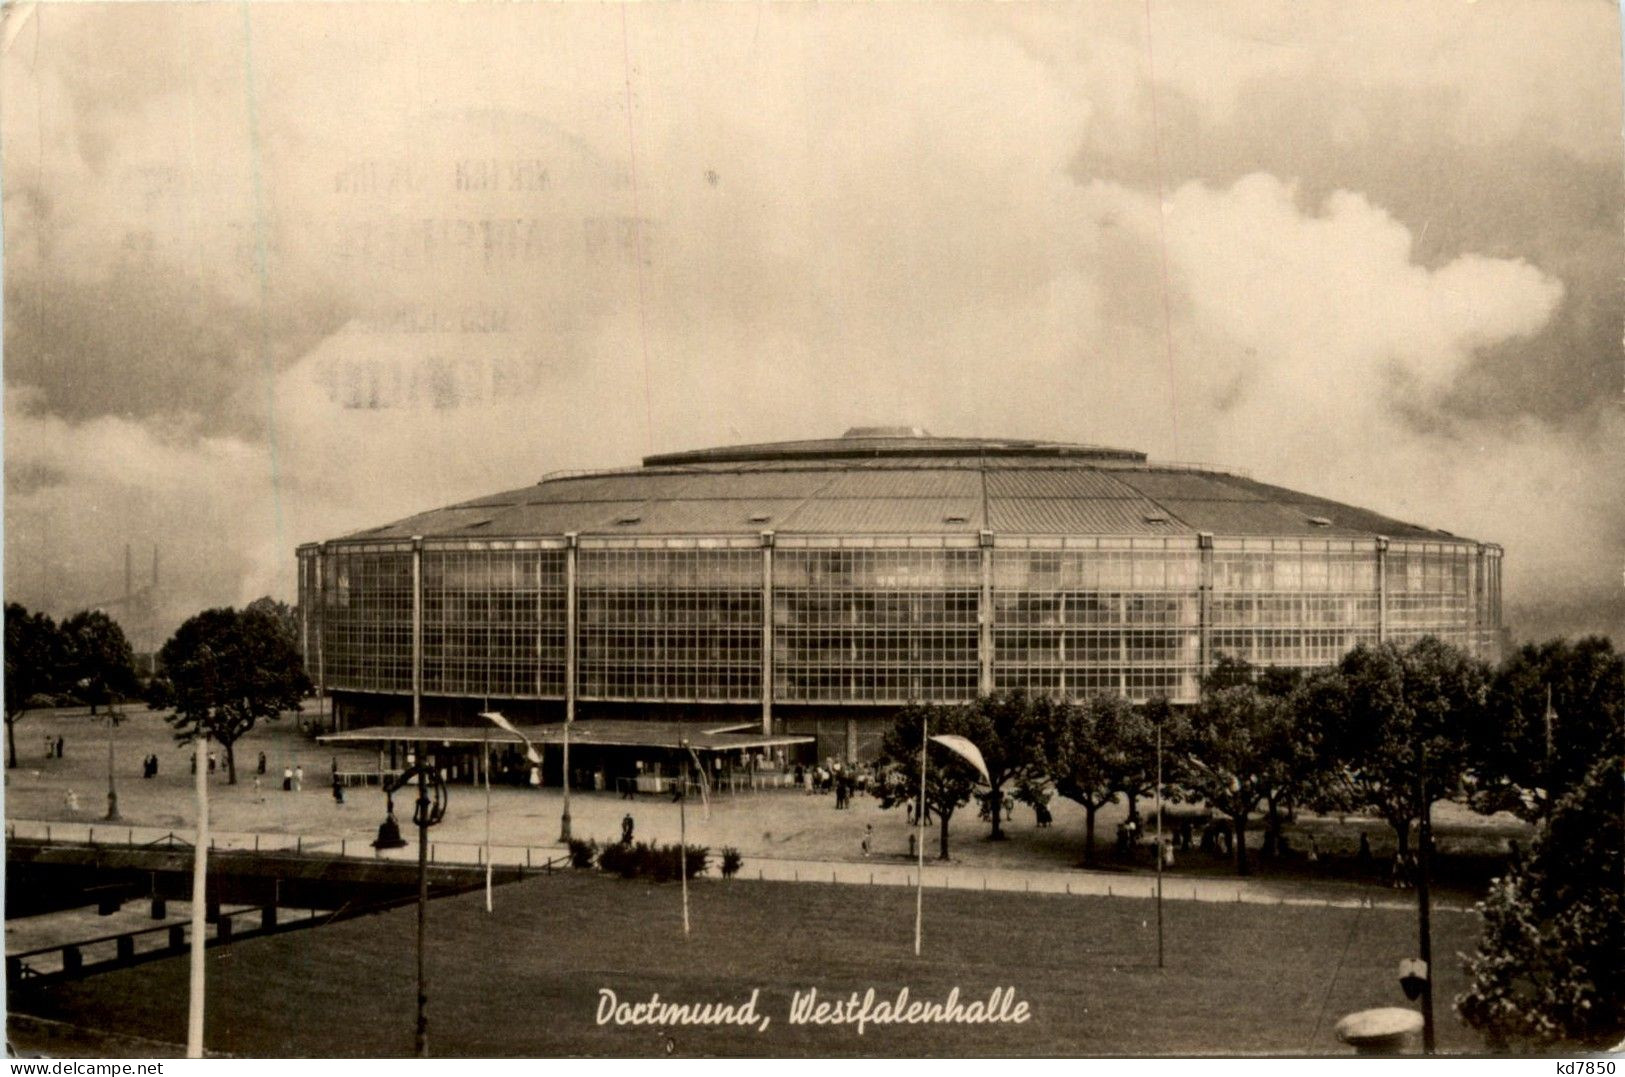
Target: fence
528 857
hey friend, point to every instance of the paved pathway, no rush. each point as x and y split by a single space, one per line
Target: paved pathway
874 871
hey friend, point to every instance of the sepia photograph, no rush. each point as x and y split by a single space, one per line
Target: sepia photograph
808 530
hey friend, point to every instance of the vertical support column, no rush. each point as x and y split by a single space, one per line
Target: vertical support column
984 617
417 637
1382 588
1481 591
321 632
571 619
767 633
1204 604
307 595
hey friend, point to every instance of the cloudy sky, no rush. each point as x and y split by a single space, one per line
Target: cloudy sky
276 272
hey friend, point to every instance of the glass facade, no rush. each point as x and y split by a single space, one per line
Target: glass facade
366 617
1430 592
493 620
873 620
1113 616
875 625
1292 602
669 623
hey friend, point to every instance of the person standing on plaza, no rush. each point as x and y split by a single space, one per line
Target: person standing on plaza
287 779
262 763
626 829
59 745
868 835
338 789
298 778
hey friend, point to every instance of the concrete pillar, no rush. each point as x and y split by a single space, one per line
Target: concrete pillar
767 633
984 618
1382 588
1481 591
1204 603
417 635
571 624
321 629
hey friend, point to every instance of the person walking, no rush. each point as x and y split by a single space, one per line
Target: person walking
626 829
868 835
338 789
287 779
262 763
298 778
59 745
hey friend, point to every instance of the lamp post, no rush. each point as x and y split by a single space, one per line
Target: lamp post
564 817
1424 842
919 820
1158 723
426 813
112 787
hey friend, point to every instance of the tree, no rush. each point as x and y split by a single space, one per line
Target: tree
1094 750
226 671
1230 671
1548 972
1515 768
1239 749
34 666
950 780
1007 727
286 616
100 664
1391 719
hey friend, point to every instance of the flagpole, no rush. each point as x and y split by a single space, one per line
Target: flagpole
1159 843
485 761
1546 771
200 879
919 822
682 834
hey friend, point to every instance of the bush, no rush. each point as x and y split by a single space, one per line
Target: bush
730 862
660 863
614 858
582 853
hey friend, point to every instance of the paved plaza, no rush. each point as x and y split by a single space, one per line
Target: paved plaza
782 833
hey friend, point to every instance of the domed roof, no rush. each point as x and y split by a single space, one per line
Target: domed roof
902 481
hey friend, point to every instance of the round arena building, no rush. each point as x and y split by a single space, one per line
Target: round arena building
804 590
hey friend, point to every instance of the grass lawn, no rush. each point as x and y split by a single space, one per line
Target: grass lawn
1240 979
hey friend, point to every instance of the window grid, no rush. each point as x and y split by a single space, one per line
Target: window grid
367 619
1085 622
865 625
854 623
670 624
493 622
1429 592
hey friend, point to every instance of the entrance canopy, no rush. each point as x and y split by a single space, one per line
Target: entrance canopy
597 732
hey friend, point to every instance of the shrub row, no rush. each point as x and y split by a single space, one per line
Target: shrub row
647 861
661 863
